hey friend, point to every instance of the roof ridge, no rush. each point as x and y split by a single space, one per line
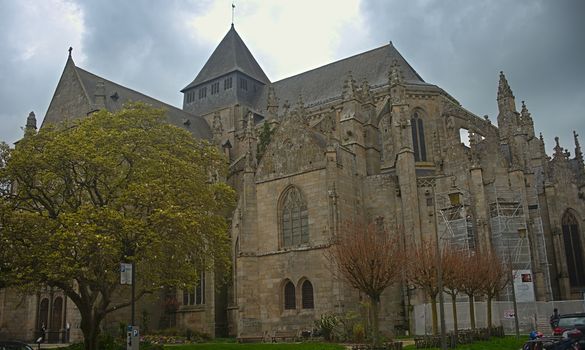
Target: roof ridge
331 63
130 89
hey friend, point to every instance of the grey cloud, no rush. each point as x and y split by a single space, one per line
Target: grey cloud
462 45
145 47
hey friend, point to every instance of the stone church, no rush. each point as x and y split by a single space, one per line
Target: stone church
363 138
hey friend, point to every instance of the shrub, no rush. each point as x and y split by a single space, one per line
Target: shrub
326 324
359 333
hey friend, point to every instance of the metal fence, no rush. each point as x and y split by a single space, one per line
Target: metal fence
531 316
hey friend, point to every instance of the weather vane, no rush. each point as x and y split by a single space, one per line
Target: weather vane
233 10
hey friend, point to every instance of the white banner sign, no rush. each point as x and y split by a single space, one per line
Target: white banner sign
524 286
125 273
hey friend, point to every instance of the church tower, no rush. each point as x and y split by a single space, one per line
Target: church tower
230 76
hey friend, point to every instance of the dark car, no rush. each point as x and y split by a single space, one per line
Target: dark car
570 321
14 345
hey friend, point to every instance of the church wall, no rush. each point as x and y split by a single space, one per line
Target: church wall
562 196
17 315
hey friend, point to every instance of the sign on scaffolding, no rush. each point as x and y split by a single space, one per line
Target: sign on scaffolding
524 286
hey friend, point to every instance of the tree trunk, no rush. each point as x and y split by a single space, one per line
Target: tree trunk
434 314
90 334
489 314
454 306
375 323
91 330
472 311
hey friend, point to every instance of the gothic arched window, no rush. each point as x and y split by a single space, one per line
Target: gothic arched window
57 314
573 249
294 219
307 295
418 138
290 302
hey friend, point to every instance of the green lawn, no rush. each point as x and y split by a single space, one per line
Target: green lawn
234 346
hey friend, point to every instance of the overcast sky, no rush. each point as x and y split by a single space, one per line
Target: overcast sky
158 47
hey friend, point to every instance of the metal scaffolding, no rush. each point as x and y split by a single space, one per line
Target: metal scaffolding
455 222
509 230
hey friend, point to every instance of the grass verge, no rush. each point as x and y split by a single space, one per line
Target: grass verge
262 346
506 343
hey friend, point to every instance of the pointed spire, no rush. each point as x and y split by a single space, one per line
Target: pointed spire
31 121
505 98
230 55
524 113
578 153
504 89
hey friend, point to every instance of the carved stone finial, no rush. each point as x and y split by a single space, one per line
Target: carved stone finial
541 138
395 76
271 101
250 125
217 126
578 153
286 107
524 112
558 149
504 89
349 88
299 110
31 121
70 50
367 92
487 118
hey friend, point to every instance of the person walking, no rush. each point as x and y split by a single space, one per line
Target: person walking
554 319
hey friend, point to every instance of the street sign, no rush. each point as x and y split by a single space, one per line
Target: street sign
125 273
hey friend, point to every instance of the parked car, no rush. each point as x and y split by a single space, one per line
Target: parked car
14 345
570 321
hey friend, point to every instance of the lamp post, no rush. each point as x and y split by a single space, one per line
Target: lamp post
440 278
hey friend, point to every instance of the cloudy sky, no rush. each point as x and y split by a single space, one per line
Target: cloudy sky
158 47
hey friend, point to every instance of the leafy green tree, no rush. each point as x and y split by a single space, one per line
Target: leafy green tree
110 188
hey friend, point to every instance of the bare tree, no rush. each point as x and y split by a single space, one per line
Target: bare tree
496 276
369 259
454 265
472 281
421 270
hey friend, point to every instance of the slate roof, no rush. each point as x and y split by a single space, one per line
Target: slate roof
230 55
325 83
117 95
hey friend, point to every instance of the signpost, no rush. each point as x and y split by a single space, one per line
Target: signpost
127 276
